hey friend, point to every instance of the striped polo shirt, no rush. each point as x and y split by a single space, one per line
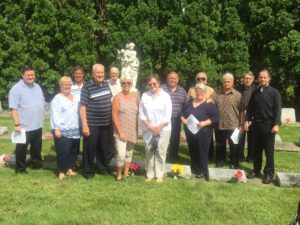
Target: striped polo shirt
97 99
178 98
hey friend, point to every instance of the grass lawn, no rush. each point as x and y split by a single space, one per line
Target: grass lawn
40 198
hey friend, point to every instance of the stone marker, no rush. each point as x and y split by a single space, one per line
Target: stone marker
227 175
288 179
288 115
278 140
12 159
3 130
1 107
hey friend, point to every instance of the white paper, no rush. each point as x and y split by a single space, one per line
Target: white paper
235 136
18 138
192 124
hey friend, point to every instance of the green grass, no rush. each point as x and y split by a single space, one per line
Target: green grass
290 133
40 198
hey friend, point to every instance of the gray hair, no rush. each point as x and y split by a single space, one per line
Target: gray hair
228 76
201 86
97 65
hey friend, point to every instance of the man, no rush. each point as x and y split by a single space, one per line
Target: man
78 74
114 81
95 114
201 78
246 90
264 111
229 104
178 98
26 102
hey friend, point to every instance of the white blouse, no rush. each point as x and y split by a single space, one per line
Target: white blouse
64 116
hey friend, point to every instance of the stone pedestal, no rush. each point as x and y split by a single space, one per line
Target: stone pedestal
227 175
288 179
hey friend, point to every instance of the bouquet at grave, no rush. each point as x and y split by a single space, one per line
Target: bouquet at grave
4 159
49 136
134 168
238 176
177 171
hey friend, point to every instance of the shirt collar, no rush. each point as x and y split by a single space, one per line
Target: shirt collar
26 85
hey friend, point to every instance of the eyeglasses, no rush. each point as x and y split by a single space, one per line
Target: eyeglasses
126 83
152 84
201 78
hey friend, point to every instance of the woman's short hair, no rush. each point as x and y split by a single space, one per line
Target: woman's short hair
201 86
228 76
126 78
65 79
153 76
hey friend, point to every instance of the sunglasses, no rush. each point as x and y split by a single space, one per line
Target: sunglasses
201 78
152 84
126 83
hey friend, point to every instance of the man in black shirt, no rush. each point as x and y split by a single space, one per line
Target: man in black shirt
264 112
246 90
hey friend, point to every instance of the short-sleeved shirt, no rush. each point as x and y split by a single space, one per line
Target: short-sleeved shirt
229 106
29 102
97 100
178 98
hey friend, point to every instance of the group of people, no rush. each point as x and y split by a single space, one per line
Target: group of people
106 114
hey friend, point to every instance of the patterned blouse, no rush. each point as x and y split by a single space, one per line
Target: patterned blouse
127 115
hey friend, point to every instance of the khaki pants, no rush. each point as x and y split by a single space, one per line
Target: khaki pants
124 152
155 161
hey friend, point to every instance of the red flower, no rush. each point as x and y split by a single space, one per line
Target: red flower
5 159
48 136
238 175
288 120
134 166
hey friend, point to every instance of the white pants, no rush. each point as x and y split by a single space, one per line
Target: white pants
156 161
124 152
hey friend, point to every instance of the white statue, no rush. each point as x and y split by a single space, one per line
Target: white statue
130 63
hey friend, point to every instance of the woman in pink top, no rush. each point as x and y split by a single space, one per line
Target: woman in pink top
124 115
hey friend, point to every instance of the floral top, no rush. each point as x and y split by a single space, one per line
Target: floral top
64 116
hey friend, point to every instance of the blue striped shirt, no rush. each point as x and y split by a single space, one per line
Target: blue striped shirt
97 100
178 98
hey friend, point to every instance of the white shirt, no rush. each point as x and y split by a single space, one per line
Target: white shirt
64 116
115 87
156 110
76 91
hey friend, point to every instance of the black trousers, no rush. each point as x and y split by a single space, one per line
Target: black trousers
211 149
221 137
34 138
66 152
96 145
241 145
263 139
198 145
174 140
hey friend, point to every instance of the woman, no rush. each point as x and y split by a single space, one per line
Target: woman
124 116
64 119
155 112
199 141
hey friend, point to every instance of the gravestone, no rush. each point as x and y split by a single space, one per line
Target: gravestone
288 179
3 130
12 159
1 107
227 175
288 115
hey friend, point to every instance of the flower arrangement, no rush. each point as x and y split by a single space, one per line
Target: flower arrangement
134 168
48 136
238 175
288 120
5 159
177 171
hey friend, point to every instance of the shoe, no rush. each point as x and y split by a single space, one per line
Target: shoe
148 179
267 179
89 176
61 176
159 180
252 175
200 176
118 179
23 172
71 173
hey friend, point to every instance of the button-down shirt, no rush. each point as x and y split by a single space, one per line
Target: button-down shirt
156 109
178 98
29 102
115 87
230 108
265 104
76 91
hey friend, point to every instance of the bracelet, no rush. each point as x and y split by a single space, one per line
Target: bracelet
17 125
